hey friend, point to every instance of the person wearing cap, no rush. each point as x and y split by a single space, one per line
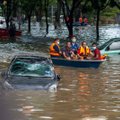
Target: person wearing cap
74 45
55 48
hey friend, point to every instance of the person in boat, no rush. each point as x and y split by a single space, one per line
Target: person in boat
85 20
67 52
81 20
74 45
84 51
96 53
55 48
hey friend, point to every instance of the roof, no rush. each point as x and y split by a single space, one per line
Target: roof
30 56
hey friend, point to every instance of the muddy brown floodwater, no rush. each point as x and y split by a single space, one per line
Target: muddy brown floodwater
83 94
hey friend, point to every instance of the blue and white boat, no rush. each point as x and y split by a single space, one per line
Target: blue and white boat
77 63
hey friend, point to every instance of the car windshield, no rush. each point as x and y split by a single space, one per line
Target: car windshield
29 67
104 45
108 43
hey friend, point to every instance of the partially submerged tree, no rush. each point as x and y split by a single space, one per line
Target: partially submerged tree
99 5
39 10
46 4
57 14
28 6
7 6
68 11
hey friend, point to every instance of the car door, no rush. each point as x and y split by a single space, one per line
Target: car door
113 48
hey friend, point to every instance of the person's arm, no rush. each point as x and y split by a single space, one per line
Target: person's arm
64 55
56 48
78 54
90 52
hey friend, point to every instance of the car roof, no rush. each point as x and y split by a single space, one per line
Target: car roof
113 39
31 56
108 42
35 57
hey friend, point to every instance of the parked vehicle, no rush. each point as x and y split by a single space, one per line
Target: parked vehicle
30 72
4 32
111 47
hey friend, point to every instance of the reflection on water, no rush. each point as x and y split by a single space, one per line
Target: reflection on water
83 94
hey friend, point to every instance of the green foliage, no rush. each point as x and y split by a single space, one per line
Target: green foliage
52 2
28 5
110 12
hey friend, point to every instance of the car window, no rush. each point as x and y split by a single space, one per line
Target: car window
107 43
114 46
35 69
103 45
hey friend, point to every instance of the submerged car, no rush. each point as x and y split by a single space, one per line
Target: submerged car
30 72
111 47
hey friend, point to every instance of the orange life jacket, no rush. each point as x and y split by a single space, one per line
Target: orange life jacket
84 51
52 50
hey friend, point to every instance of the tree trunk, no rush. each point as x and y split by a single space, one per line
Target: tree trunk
7 22
70 31
68 21
69 24
57 14
68 14
97 24
46 16
29 23
70 28
8 13
39 12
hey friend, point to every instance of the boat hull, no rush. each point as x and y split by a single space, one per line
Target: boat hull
77 63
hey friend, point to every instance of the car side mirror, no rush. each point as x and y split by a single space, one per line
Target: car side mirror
108 48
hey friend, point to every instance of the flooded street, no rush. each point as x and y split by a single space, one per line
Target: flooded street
83 94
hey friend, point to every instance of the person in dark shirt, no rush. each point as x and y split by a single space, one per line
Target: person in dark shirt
67 51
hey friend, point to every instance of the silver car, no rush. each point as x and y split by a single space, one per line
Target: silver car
111 47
